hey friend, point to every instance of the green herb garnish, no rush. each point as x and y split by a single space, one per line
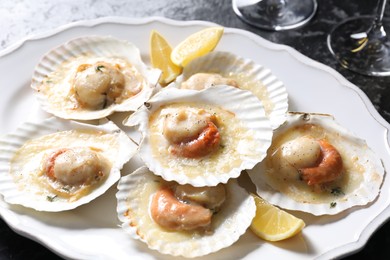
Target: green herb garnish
337 191
51 198
99 68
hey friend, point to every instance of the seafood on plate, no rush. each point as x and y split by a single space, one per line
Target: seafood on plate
182 220
317 166
55 164
225 68
203 137
92 77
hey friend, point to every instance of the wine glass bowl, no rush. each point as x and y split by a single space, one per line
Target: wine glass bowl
360 44
275 15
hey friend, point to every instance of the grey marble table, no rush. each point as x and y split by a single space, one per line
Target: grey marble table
23 18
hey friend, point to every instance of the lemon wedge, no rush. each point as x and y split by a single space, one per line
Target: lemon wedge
160 58
273 224
196 45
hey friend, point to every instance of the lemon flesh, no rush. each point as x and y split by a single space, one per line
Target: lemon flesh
273 224
160 58
196 45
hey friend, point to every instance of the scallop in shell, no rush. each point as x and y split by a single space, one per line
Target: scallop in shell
202 137
137 190
229 69
317 166
57 165
92 77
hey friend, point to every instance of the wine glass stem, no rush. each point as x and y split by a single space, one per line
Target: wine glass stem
377 31
380 12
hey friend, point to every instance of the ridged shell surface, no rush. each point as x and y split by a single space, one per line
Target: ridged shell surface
134 193
248 75
358 185
20 180
63 91
245 132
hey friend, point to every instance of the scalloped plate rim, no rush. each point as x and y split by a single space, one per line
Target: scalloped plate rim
59 248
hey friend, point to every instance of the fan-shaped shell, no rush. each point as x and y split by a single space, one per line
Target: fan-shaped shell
23 151
134 193
359 184
245 134
55 76
248 75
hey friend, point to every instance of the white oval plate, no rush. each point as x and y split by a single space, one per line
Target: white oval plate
92 231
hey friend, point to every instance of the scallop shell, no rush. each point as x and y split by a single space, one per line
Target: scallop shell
134 193
27 191
52 76
249 75
359 185
250 149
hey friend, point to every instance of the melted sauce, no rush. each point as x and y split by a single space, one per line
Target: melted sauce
236 143
58 85
285 178
26 165
245 81
140 216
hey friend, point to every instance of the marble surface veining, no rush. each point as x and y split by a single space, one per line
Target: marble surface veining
24 18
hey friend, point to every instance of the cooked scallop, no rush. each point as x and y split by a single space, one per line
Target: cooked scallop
317 166
182 220
203 137
225 68
92 77
57 165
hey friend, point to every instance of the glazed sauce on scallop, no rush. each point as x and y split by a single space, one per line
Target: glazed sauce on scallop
59 85
235 142
285 178
146 222
28 162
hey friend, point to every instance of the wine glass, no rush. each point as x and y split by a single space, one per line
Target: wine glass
275 15
360 44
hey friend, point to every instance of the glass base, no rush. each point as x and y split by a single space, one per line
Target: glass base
360 49
275 15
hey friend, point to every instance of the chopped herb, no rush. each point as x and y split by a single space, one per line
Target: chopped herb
333 204
65 189
337 191
51 198
99 68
